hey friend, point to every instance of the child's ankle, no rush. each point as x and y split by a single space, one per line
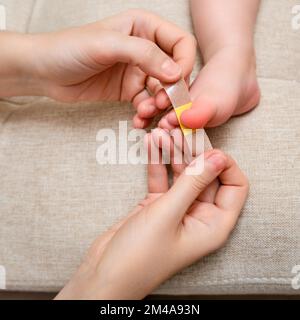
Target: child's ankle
243 50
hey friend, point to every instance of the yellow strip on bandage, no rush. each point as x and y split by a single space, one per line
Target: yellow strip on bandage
179 111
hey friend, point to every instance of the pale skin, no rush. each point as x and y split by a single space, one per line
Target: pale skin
109 60
227 85
115 60
169 230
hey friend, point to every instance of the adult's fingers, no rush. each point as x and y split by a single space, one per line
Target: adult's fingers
234 188
189 185
157 171
147 109
209 194
171 145
145 54
176 42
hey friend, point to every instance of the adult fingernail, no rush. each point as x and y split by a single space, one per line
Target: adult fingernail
217 160
170 68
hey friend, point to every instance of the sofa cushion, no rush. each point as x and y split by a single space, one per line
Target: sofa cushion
55 199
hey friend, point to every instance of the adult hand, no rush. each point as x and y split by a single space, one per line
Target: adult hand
121 58
168 231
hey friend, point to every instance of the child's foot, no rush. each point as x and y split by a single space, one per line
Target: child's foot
227 86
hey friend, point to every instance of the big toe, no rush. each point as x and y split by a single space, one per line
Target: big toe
200 115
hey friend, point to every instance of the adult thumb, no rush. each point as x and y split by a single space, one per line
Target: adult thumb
148 57
195 179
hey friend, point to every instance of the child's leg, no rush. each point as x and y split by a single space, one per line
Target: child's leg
227 84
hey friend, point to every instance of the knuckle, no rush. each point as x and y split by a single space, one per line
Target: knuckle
220 153
244 181
199 183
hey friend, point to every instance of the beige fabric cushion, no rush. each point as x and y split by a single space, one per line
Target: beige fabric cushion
55 199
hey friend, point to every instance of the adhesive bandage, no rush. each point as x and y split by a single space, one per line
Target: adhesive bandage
196 140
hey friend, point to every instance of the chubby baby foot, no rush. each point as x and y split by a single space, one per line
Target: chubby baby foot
226 86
